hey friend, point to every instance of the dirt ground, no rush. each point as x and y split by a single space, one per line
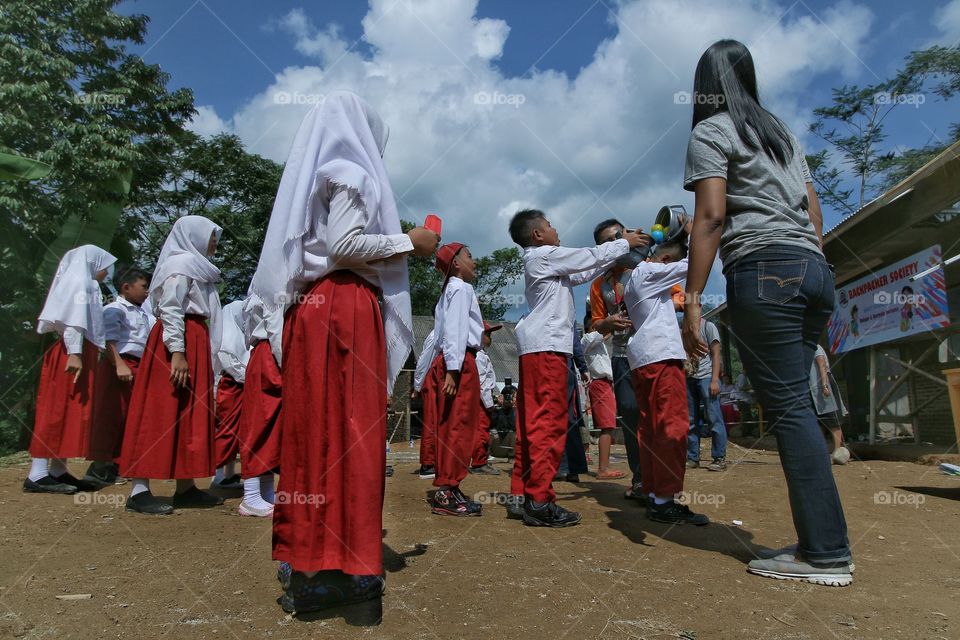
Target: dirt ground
208 573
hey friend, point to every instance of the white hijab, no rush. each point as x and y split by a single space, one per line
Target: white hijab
184 253
261 324
233 342
74 298
341 142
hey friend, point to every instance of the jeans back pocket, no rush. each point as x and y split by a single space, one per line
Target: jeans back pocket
779 281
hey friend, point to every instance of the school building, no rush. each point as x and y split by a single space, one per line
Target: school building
895 330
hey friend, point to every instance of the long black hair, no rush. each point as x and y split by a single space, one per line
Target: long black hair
726 80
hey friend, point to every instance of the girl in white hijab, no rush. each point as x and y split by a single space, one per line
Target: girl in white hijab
169 431
259 428
74 310
333 246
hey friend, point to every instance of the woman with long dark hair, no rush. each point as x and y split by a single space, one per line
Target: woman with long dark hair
755 202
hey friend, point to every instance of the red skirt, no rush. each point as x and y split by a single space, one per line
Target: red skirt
112 400
481 446
428 435
169 432
457 418
329 503
227 416
61 428
603 404
259 427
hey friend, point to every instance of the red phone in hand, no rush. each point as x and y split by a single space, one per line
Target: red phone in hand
434 223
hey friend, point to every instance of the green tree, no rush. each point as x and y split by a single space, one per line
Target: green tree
495 273
216 178
73 97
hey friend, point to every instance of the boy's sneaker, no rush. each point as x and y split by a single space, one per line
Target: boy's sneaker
548 514
790 549
791 566
486 469
446 503
475 508
693 464
332 589
427 473
675 513
514 506
718 464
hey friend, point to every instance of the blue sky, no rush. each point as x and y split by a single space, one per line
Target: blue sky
598 131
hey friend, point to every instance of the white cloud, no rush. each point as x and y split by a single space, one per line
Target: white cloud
947 21
207 122
473 146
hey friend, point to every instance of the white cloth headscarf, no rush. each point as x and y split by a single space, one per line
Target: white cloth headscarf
341 142
261 324
233 341
74 298
184 253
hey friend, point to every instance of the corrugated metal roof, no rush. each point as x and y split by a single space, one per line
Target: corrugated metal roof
503 352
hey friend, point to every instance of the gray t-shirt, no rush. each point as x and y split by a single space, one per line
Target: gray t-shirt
766 203
709 334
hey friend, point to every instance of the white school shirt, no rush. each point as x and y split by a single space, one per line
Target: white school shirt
597 356
178 296
550 273
128 325
488 379
229 364
458 322
427 355
73 340
650 306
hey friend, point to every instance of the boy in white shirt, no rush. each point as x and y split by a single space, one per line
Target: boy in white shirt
656 356
545 339
126 326
455 379
603 404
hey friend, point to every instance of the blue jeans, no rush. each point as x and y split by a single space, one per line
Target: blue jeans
779 302
628 414
698 396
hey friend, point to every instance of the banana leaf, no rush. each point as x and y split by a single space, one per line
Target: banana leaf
13 167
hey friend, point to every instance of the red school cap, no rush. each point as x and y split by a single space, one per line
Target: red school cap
445 256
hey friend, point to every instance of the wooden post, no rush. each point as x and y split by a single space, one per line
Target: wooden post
873 394
953 383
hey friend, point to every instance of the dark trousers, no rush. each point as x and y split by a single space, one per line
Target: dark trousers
780 301
628 415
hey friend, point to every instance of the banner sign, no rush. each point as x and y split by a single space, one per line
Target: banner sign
888 305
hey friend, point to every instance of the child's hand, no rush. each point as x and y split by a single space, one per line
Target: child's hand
74 366
124 374
616 322
179 371
424 241
451 383
636 239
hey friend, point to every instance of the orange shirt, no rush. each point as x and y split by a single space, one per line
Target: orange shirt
598 307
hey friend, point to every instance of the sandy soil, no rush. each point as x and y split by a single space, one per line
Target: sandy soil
208 573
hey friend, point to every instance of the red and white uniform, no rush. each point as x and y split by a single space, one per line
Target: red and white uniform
262 389
231 364
603 403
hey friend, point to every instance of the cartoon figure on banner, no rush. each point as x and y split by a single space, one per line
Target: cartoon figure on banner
855 322
906 313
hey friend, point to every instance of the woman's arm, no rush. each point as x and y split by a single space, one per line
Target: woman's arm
710 210
816 214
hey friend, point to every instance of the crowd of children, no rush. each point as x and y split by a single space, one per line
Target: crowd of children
296 378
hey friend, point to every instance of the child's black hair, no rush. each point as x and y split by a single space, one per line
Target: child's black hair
522 225
676 247
606 224
129 275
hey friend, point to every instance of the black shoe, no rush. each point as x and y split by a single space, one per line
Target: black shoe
485 469
514 506
331 590
637 494
675 513
446 503
233 482
573 477
194 497
48 484
101 474
472 506
426 473
548 514
389 472
81 485
146 502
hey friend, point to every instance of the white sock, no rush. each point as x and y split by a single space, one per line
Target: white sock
266 488
219 475
251 494
139 486
185 485
58 467
659 500
230 469
39 469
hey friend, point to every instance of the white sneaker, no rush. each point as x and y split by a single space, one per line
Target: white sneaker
840 456
248 510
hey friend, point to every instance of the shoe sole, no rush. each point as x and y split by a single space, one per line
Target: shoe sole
249 513
822 579
428 477
533 522
55 493
363 612
147 513
445 512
